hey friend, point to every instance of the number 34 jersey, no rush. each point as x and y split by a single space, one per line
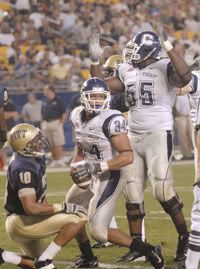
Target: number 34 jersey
94 135
149 96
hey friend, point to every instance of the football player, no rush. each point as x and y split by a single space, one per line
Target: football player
193 253
7 256
117 102
103 148
149 83
30 218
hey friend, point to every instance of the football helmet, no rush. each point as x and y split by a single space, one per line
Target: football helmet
28 140
3 95
110 65
95 95
143 46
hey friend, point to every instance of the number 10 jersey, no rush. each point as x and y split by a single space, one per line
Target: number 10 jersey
149 95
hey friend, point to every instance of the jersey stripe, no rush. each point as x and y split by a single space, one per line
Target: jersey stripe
105 126
110 187
194 83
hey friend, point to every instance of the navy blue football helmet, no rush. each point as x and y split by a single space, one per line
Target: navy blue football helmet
143 46
3 95
95 95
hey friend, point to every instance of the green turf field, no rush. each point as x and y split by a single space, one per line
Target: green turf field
159 229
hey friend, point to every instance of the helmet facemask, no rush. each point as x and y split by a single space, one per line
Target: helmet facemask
96 100
37 146
129 54
107 72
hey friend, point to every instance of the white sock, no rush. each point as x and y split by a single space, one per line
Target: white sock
11 257
113 223
192 261
143 231
50 252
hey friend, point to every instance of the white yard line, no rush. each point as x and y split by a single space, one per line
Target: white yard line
66 169
109 265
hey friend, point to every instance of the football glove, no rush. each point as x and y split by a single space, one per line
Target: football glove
89 168
78 172
71 208
165 43
80 176
95 49
3 138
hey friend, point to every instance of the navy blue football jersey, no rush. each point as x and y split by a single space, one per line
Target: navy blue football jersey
24 173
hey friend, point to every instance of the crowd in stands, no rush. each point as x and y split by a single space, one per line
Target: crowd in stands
46 41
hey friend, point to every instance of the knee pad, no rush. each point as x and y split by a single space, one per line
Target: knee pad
172 206
135 211
163 191
99 233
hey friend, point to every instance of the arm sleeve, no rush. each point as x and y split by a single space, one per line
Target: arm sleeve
194 84
114 125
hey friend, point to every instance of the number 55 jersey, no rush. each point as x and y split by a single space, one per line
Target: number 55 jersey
149 95
93 136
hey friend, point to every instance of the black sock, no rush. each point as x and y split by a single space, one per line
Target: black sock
86 250
139 246
182 229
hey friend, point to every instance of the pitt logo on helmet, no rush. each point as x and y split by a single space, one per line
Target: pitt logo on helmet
18 134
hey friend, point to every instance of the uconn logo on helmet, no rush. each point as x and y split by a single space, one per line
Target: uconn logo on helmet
147 39
143 46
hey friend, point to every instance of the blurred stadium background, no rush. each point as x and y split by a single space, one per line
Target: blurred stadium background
46 41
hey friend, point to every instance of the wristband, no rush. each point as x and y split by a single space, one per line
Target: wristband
167 45
57 208
104 166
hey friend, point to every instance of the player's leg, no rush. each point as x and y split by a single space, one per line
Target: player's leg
28 231
87 258
193 253
97 244
134 194
101 210
160 175
65 235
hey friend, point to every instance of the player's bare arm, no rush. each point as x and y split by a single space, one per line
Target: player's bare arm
179 73
32 207
95 51
125 154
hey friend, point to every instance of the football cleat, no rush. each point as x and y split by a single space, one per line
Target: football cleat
131 256
182 247
102 245
1 257
47 264
85 263
155 257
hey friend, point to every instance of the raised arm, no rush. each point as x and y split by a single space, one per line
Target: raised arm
95 51
179 73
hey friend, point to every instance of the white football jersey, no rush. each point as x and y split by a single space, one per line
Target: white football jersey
195 98
94 136
149 96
